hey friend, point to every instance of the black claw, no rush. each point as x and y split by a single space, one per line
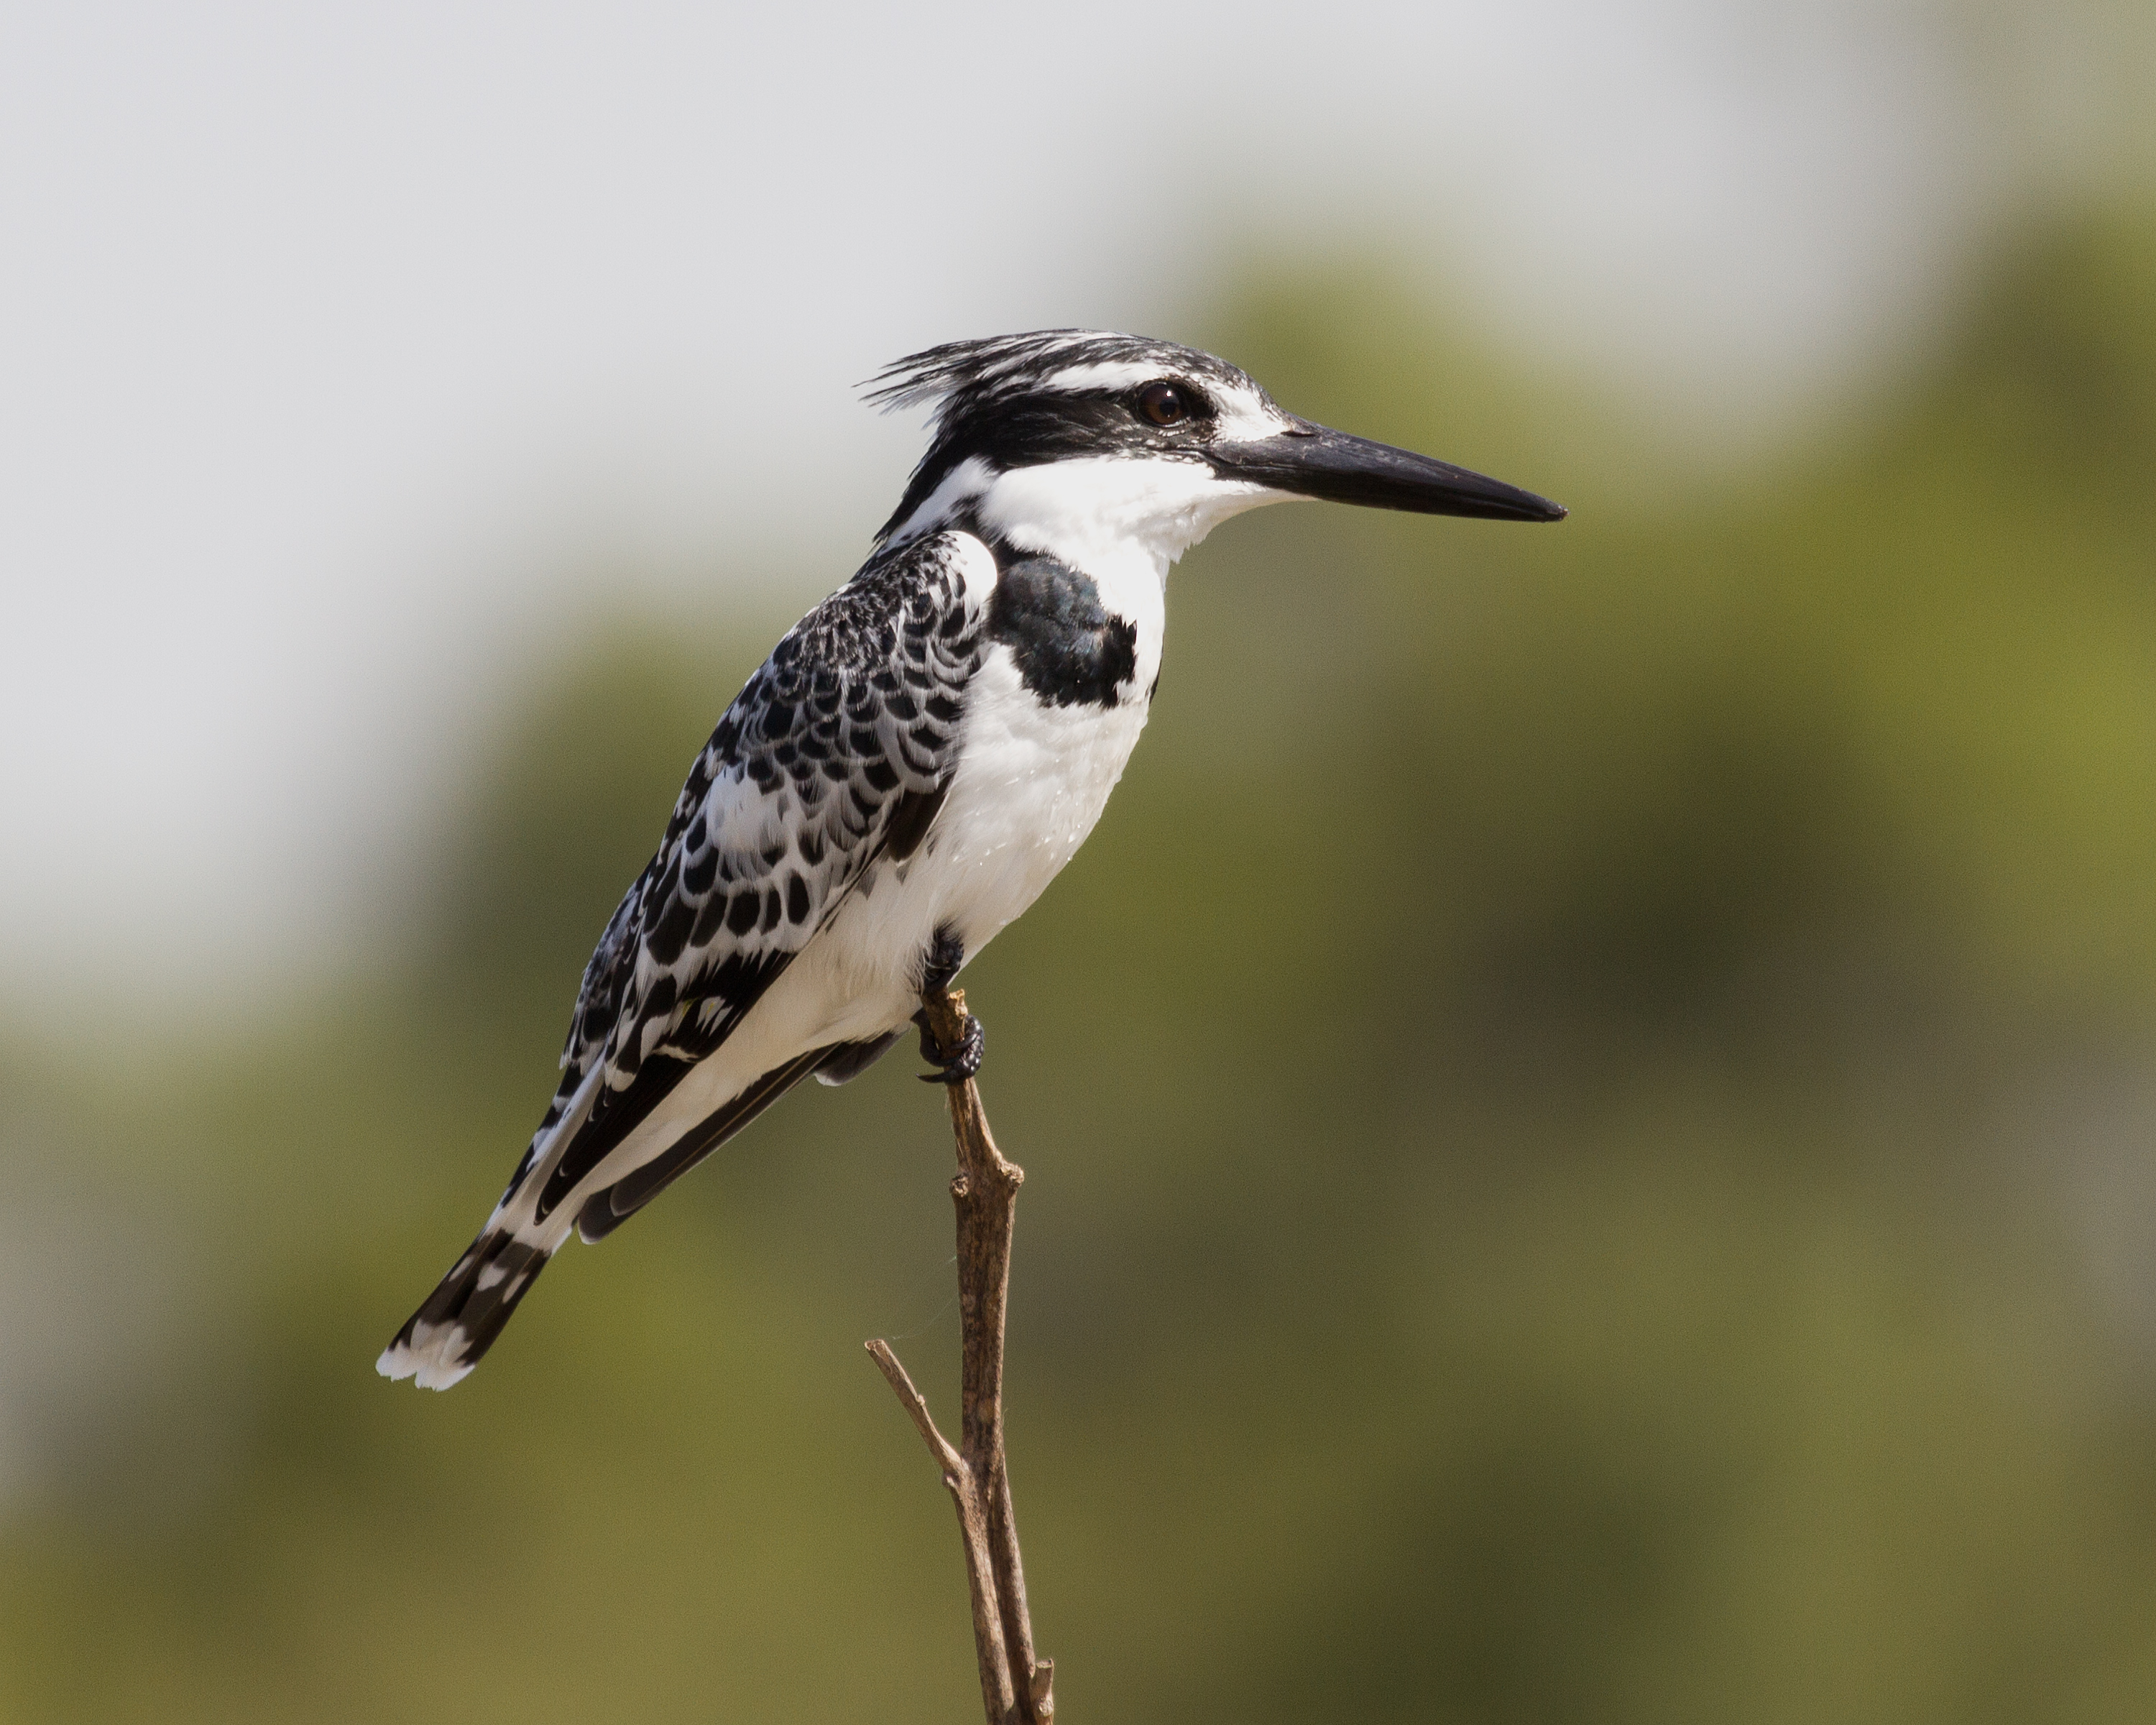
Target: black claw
955 1068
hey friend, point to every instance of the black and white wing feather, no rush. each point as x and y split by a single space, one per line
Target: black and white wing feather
835 756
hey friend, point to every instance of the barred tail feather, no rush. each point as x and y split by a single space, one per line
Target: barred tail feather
444 1339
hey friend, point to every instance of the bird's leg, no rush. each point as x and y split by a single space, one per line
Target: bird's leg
939 969
942 960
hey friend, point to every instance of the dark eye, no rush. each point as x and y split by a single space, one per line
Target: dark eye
1163 403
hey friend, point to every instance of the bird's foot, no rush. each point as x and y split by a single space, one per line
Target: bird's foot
951 1067
942 961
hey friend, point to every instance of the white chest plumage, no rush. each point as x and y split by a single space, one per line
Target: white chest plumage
1033 778
1050 723
1035 763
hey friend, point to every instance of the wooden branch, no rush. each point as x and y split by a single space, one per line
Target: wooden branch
1016 1688
998 1695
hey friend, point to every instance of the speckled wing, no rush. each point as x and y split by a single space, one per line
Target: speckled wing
836 754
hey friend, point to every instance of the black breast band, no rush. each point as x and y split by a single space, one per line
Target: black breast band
1068 646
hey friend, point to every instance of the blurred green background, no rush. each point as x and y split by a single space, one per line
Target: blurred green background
1588 1113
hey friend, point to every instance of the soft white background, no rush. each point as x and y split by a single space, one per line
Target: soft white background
339 346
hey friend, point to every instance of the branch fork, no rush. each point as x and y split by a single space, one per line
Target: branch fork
1016 1688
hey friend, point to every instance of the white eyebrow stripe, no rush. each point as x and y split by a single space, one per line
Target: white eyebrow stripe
1245 415
1105 374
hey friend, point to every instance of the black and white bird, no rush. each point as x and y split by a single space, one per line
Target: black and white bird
910 768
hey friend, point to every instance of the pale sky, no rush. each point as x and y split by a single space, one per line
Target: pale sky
337 343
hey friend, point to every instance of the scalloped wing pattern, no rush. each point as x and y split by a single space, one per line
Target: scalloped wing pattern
834 754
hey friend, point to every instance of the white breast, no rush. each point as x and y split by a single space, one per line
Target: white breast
1031 781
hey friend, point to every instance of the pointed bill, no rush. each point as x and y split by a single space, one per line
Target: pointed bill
1310 461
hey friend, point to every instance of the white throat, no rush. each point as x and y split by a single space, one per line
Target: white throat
1102 514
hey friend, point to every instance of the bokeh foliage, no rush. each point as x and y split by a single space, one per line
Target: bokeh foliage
1589 1112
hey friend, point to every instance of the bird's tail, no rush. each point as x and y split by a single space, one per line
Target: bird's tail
444 1339
458 1322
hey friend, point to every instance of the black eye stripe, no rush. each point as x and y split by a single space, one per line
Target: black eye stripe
1025 429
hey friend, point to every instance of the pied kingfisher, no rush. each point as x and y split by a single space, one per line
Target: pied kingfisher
909 769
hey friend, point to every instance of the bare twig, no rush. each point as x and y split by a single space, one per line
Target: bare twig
998 1695
1016 1688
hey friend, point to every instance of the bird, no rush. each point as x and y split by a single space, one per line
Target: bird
902 777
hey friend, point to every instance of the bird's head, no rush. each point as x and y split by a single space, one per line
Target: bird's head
1075 441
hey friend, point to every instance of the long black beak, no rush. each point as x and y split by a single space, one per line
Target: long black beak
1315 461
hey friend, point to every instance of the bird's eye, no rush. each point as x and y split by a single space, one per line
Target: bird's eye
1163 403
